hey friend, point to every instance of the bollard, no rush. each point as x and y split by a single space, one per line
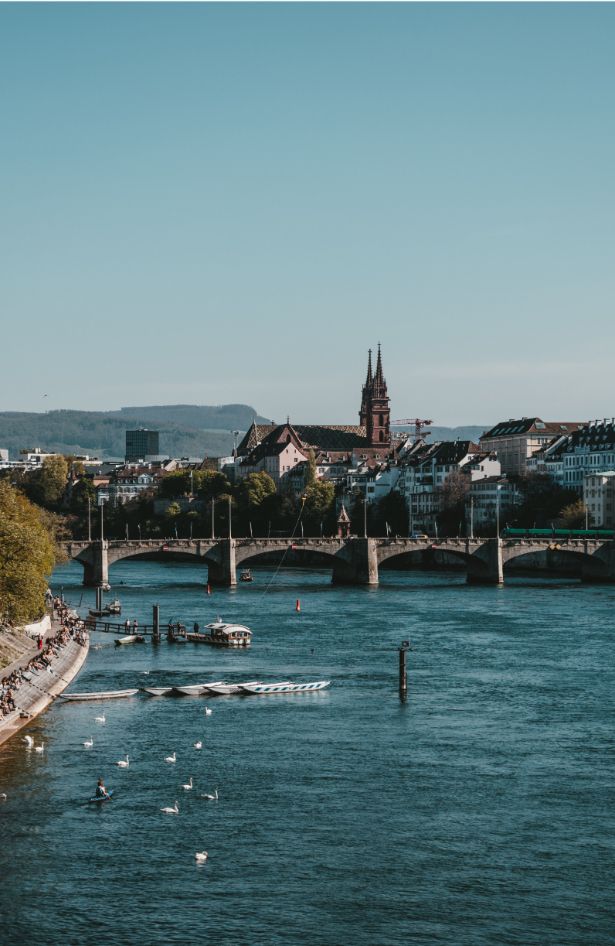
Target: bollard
403 679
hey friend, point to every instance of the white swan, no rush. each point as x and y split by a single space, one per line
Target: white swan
198 745
171 758
171 811
213 797
3 796
29 741
88 743
208 712
201 856
100 719
40 748
188 785
123 763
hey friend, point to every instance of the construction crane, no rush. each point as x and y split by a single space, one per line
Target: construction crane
418 425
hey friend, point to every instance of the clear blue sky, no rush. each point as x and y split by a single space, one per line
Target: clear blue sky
228 203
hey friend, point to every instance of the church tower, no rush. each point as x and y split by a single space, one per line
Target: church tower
377 410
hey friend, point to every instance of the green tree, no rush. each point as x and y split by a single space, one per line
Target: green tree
318 507
573 515
47 485
255 488
26 557
175 484
211 484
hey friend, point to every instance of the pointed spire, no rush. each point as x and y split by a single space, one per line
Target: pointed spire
368 380
378 377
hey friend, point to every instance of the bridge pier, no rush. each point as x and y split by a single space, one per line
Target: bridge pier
599 568
359 565
96 571
224 573
485 565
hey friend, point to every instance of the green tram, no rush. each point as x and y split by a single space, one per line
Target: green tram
508 533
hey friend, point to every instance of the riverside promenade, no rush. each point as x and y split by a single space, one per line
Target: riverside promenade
41 687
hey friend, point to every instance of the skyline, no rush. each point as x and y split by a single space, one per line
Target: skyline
231 204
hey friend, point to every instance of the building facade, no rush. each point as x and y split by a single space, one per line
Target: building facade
515 441
142 443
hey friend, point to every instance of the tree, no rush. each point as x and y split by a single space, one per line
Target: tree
47 485
255 488
310 470
542 501
573 515
210 484
318 506
26 557
452 498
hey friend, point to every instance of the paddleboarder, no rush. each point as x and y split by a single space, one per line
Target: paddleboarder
101 791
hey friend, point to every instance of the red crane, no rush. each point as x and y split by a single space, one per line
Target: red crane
418 425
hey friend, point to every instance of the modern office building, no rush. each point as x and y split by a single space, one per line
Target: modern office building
141 443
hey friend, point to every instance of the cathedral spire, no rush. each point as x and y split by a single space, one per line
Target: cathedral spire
379 377
368 380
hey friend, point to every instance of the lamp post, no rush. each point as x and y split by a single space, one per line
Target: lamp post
89 519
497 510
365 516
230 530
471 517
102 518
213 505
139 528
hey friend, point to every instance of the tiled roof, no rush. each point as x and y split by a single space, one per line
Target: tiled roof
326 437
534 425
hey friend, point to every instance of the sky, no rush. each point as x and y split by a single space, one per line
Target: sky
231 203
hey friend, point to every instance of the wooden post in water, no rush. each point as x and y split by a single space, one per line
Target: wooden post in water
156 624
403 678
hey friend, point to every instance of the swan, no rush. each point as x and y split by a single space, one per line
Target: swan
88 743
171 811
208 712
201 856
101 719
40 748
198 745
29 741
188 786
213 797
171 758
123 763
3 796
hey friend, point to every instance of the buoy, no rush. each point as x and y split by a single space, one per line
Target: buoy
208 588
298 605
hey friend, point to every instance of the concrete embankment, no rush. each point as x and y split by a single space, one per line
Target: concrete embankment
35 695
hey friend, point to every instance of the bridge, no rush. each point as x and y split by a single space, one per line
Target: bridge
352 560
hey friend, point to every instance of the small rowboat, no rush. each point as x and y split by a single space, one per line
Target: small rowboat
226 689
130 639
195 689
101 695
157 691
258 689
98 799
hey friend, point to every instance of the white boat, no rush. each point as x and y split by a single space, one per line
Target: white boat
195 689
129 639
157 691
226 635
226 689
100 695
258 689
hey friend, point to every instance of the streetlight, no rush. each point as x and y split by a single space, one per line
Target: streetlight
365 516
230 512
471 517
89 519
127 532
139 528
213 505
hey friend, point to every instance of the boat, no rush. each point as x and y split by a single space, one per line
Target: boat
225 635
98 799
226 689
114 607
157 691
100 612
258 689
100 695
246 575
194 689
129 639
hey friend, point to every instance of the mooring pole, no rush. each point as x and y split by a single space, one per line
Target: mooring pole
156 624
403 678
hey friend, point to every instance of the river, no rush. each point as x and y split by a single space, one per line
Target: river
481 812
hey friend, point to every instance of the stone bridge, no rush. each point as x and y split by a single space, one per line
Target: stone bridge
352 560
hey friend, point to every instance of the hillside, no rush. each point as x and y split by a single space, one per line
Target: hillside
185 430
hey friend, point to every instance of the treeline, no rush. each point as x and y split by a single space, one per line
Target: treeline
185 430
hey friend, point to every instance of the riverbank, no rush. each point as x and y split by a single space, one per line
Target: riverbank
41 687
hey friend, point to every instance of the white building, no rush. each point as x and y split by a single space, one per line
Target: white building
599 498
490 498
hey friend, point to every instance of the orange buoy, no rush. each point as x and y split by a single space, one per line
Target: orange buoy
298 605
208 588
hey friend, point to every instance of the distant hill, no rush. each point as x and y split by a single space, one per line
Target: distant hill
185 429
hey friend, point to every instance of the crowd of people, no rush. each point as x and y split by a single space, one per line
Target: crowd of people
71 629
